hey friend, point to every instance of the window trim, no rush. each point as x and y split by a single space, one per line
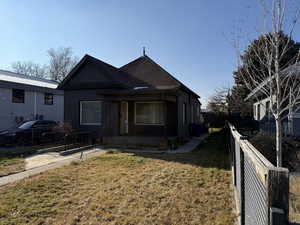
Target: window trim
80 113
149 124
47 93
258 111
12 95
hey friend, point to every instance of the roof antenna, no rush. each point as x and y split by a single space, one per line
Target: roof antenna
144 51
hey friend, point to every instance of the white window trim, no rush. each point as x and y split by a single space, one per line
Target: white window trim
148 124
97 124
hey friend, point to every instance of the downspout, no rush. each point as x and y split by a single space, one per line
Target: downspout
34 110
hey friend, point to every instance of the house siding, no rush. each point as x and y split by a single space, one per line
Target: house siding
110 112
191 108
110 125
11 113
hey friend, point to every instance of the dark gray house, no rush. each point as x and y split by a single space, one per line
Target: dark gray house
138 103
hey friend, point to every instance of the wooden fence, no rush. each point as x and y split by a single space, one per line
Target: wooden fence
261 189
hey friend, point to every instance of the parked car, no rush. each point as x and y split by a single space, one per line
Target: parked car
29 132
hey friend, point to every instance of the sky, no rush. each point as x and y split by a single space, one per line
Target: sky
189 38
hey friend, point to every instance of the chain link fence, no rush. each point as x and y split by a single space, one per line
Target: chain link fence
261 189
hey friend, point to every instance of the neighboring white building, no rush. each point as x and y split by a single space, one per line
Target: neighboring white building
28 98
261 107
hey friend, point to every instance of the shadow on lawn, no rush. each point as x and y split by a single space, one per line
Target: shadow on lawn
211 153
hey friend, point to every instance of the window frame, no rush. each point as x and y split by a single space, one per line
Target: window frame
52 99
150 124
258 111
80 113
12 96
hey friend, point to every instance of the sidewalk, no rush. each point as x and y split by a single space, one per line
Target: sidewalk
41 163
188 147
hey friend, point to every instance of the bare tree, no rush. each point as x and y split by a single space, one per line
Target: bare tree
218 101
61 62
279 83
30 69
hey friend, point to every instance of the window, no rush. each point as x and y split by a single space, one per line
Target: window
48 99
149 113
18 96
258 112
90 112
184 113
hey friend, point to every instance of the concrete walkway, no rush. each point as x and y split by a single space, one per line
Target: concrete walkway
190 146
43 162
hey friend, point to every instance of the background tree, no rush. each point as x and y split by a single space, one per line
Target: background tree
236 101
30 69
264 62
61 62
218 101
253 61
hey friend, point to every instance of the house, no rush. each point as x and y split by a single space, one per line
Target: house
139 103
261 107
27 98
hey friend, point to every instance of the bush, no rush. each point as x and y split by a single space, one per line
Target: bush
266 145
215 119
290 150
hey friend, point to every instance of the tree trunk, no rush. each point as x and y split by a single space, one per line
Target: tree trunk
278 143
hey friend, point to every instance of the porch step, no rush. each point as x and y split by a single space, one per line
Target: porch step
134 141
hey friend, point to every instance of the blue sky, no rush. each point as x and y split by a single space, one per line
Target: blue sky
187 38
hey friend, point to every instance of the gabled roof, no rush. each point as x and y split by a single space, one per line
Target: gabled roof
117 77
290 70
142 73
145 69
11 77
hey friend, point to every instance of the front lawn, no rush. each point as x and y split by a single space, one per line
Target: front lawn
9 165
295 199
126 188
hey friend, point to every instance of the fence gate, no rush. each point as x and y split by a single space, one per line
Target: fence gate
261 189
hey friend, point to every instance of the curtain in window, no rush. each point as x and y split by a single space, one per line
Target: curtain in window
91 112
149 113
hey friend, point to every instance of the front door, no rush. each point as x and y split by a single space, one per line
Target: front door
124 118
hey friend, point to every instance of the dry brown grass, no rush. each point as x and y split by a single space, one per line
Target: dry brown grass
9 165
123 188
295 199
